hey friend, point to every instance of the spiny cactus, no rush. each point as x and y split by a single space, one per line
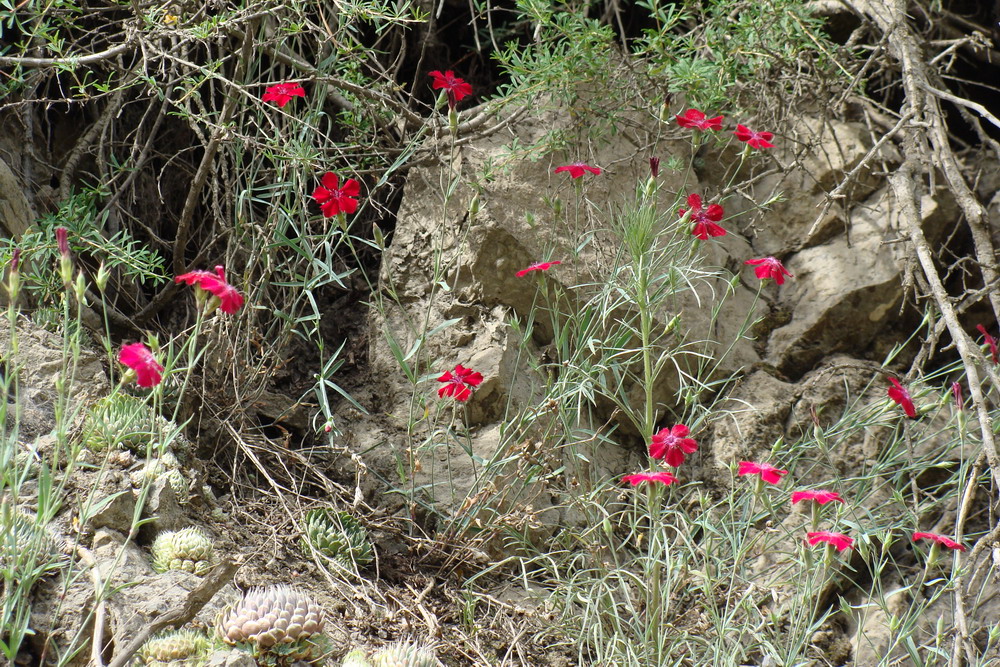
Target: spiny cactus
279 623
188 549
181 648
337 535
356 658
23 543
405 654
119 420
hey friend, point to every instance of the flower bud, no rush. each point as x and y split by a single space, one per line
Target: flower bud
65 259
80 288
14 275
102 277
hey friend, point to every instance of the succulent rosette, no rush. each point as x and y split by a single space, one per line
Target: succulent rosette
279 621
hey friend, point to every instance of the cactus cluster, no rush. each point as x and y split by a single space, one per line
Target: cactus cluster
22 539
180 648
280 623
119 420
188 549
337 535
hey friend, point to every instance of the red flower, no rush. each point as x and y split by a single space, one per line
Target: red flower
704 220
767 472
754 139
282 93
838 540
769 267
956 389
577 168
539 266
991 341
821 497
940 539
696 120
664 478
215 284
654 166
138 357
455 87
671 444
901 396
458 383
333 199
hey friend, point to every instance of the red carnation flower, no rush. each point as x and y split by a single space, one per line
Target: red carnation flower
704 219
455 87
672 444
767 472
901 396
991 341
839 540
215 284
664 478
769 267
940 539
459 384
753 139
696 120
282 93
539 266
821 497
577 168
140 359
333 199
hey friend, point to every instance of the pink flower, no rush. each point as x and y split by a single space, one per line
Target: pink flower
138 357
956 389
664 478
769 267
696 120
704 220
940 539
215 284
991 341
455 87
459 383
767 472
821 497
282 93
62 241
577 168
901 396
754 139
839 540
539 266
333 199
672 444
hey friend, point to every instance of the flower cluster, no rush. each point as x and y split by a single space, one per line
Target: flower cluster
695 119
214 292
